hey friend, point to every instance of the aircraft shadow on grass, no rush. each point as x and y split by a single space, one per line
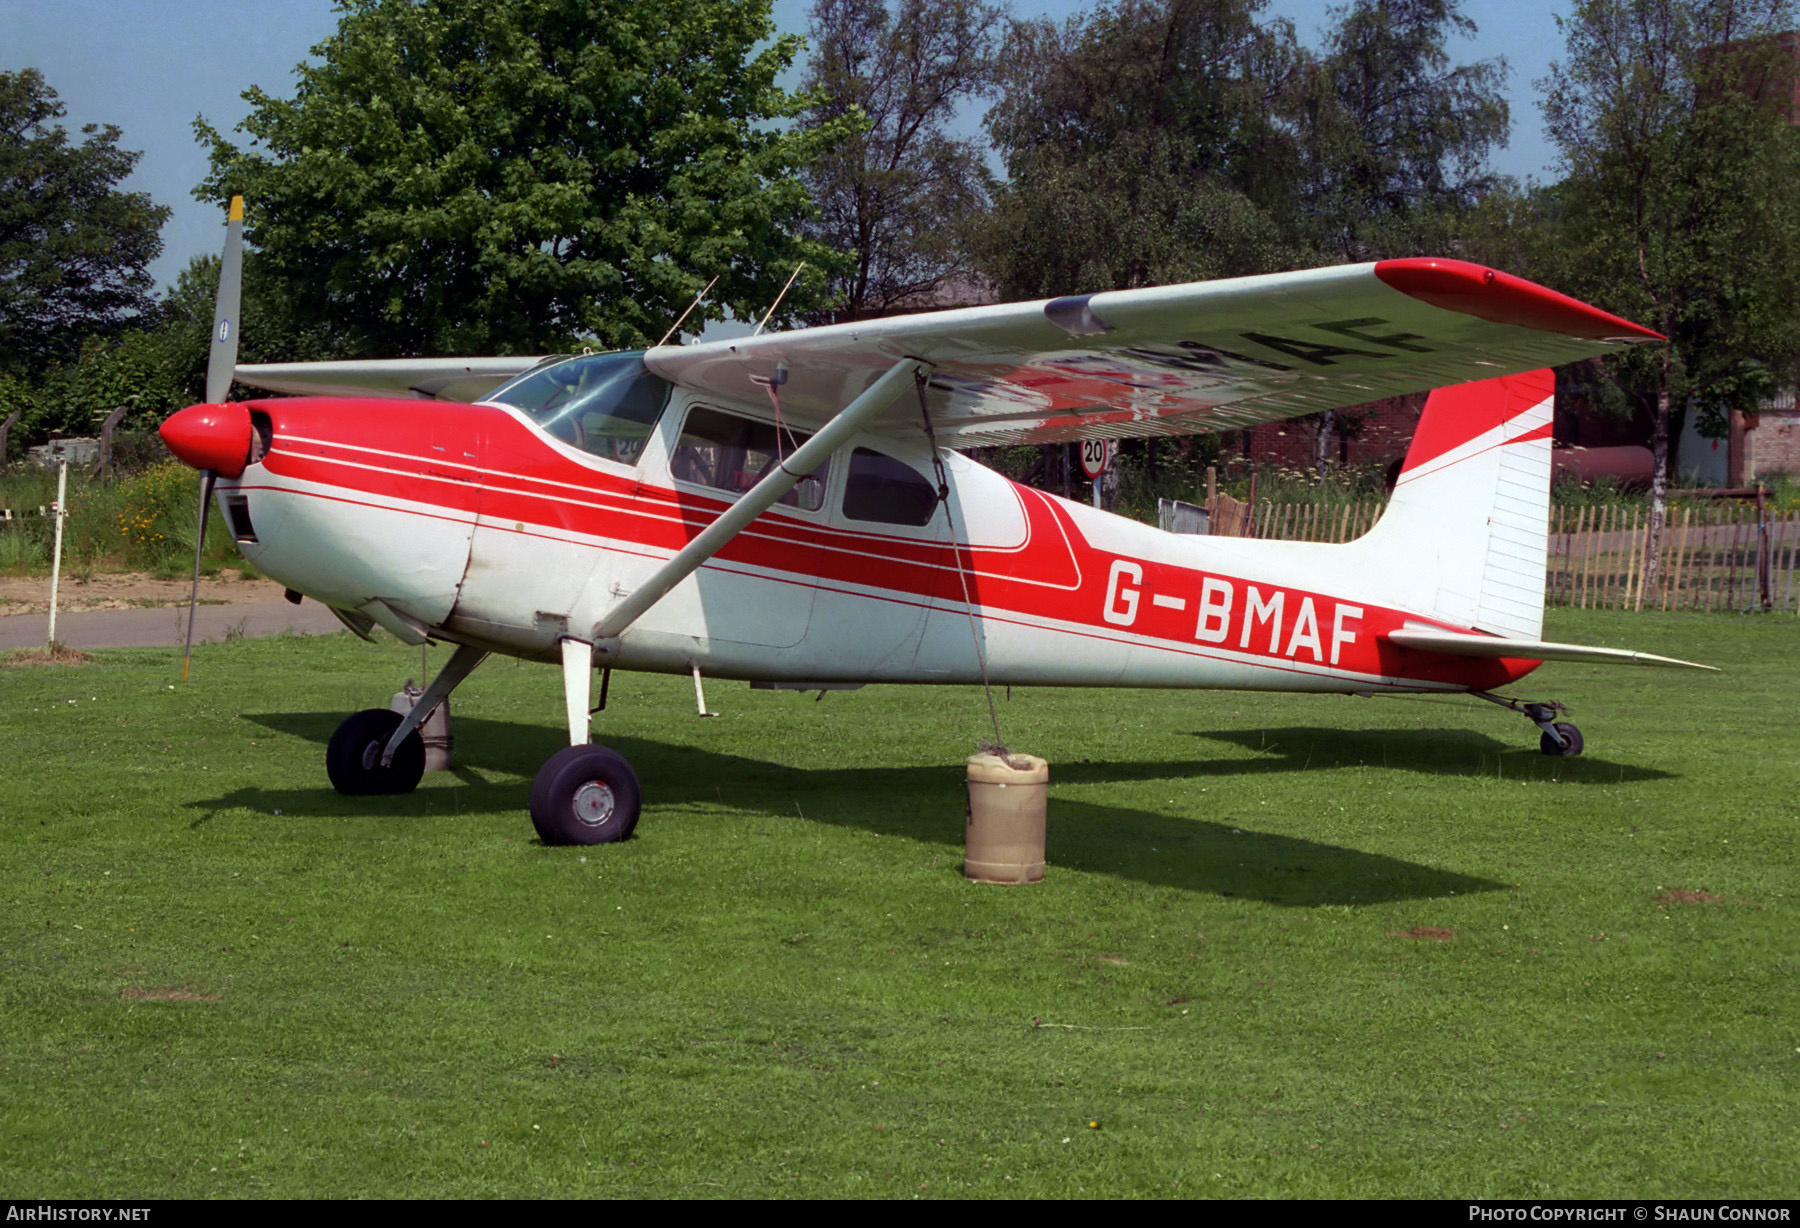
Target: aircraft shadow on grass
1221 855
1433 752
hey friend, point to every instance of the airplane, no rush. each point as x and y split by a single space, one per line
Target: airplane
789 508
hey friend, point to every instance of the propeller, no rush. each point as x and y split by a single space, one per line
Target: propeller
221 363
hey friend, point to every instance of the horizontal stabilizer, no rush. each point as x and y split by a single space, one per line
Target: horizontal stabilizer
1531 650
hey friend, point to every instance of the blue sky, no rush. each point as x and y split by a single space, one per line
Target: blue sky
151 66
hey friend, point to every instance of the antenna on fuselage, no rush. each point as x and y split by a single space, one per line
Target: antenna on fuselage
779 297
684 315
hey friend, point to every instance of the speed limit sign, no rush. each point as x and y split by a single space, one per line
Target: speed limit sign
1096 455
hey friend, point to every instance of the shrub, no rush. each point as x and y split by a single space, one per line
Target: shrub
155 516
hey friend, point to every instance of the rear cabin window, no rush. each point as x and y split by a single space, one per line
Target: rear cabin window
886 491
605 404
733 454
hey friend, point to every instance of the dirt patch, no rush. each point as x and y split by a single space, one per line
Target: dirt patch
56 654
126 590
1686 897
1432 933
138 993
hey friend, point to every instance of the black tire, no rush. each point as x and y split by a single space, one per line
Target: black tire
353 759
585 795
1548 745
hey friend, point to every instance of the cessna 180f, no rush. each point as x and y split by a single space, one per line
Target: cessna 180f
787 508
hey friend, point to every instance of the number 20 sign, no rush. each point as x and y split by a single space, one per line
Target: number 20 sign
1096 455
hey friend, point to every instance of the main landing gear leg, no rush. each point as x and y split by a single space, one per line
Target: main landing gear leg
379 751
1560 739
584 794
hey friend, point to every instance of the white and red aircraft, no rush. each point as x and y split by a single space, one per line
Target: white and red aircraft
787 508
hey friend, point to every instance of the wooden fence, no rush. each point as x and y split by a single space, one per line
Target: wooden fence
1719 557
1714 557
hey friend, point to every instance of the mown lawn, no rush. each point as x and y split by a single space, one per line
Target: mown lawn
1287 946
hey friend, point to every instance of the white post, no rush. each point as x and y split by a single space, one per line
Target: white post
699 691
62 486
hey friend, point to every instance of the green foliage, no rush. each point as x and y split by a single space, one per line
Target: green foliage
269 329
157 512
15 397
1156 141
73 249
1394 139
23 548
1603 491
1142 145
898 193
1679 211
1161 468
142 521
1122 216
156 370
462 176
1518 229
135 368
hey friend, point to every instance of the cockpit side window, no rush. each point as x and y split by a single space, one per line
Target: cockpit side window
606 404
886 491
732 454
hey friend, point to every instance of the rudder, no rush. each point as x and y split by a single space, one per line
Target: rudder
1465 535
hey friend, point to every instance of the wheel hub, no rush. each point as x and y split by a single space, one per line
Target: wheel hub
371 756
594 803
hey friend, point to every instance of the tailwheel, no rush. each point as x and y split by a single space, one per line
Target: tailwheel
1559 739
353 759
1568 747
585 795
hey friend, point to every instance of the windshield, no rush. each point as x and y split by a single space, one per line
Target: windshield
606 404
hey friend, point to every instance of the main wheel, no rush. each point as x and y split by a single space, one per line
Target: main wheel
1570 734
353 759
585 795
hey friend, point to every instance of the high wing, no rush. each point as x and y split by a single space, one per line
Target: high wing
446 379
1173 360
1208 356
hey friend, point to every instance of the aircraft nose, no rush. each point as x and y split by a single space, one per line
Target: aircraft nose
215 437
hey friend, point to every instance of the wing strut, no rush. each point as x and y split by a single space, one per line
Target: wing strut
937 462
759 498
462 663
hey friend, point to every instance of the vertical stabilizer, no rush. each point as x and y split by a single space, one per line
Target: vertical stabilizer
1465 534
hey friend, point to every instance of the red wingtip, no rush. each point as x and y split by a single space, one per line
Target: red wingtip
1501 298
215 437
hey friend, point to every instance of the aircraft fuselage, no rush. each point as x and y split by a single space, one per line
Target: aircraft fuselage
474 524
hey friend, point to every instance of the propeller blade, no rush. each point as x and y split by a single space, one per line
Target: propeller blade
221 361
207 478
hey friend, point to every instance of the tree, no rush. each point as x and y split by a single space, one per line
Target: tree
1672 117
74 250
133 368
1143 144
1393 140
1391 133
268 330
899 193
469 176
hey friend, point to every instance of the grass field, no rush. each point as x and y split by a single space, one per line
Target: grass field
1287 946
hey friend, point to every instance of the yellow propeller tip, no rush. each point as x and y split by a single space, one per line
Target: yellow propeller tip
236 212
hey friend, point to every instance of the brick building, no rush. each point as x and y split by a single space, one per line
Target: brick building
1374 434
1768 441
